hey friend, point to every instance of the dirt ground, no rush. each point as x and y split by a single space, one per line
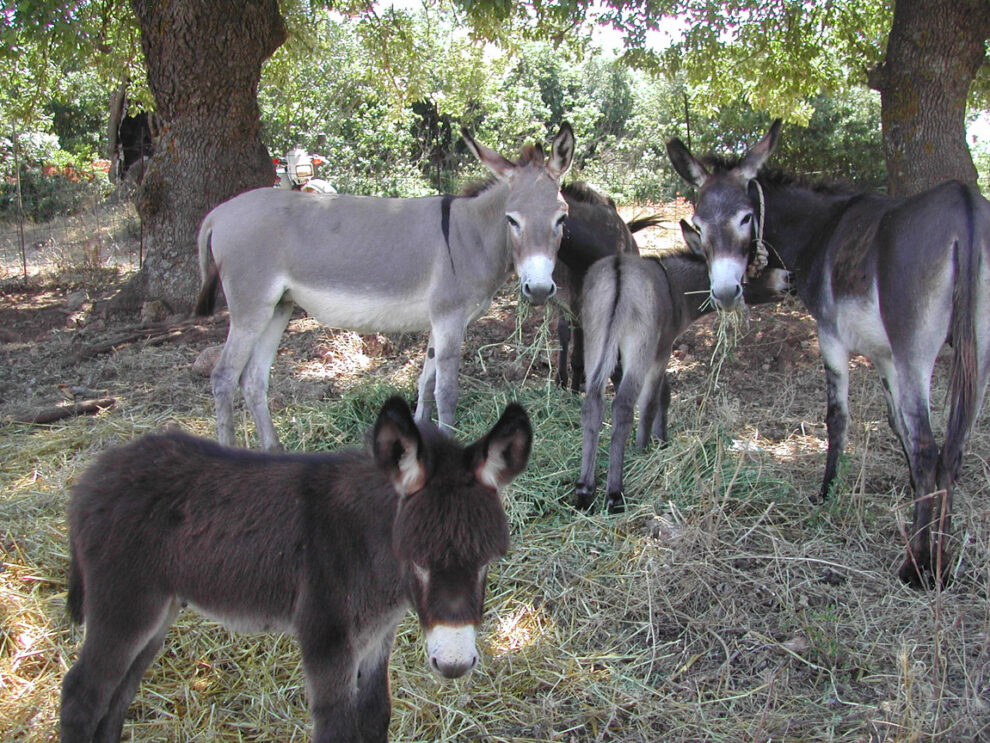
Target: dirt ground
56 345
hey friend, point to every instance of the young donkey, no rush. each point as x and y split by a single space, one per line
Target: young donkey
636 307
889 278
593 230
332 547
377 265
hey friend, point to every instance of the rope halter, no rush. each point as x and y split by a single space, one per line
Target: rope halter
761 255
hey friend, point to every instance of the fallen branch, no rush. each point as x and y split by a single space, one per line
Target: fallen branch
84 407
151 335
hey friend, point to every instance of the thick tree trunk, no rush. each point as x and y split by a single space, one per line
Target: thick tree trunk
204 62
934 50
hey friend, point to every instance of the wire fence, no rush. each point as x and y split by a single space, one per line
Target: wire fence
101 234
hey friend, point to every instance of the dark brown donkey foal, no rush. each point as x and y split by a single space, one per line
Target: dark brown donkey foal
331 547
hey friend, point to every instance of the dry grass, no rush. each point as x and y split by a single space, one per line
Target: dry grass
721 607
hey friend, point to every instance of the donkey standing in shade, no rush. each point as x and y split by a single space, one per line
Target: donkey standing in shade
332 547
889 278
593 230
637 307
377 265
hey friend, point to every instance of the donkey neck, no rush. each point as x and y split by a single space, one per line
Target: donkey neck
687 276
480 222
796 218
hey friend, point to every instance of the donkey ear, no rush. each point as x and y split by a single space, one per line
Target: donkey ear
754 159
501 167
561 152
504 451
687 166
399 447
692 237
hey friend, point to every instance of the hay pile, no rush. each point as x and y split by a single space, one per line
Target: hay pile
721 607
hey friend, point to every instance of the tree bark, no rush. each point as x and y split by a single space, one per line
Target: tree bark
204 63
934 50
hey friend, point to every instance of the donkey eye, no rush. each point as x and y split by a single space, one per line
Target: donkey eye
559 224
513 223
747 218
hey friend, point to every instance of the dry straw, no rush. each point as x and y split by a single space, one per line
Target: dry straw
722 606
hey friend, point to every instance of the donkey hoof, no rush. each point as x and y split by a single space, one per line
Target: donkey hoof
615 503
584 496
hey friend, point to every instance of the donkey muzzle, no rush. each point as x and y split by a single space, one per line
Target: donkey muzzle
536 279
451 650
726 286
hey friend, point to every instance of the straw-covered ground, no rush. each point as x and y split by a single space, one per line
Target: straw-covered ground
722 606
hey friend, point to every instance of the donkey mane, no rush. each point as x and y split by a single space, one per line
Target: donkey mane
478 187
532 154
581 191
578 190
682 252
779 178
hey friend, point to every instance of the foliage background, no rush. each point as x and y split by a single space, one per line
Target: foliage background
382 97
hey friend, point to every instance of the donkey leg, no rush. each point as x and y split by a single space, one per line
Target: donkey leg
592 413
227 373
928 501
97 690
650 405
427 383
910 411
449 337
564 339
254 377
623 410
660 420
112 724
332 682
374 699
577 359
836 360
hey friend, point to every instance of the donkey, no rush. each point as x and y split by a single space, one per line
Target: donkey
377 265
889 278
331 547
593 230
637 307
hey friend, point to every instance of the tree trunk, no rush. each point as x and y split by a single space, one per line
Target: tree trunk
204 62
118 103
934 50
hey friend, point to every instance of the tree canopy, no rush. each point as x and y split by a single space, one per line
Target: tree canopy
380 85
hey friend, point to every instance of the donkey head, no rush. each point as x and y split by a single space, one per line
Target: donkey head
724 214
534 208
450 523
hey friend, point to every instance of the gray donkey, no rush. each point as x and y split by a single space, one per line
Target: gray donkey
893 279
636 307
377 265
331 547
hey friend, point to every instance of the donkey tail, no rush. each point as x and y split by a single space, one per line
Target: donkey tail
600 305
641 223
964 372
74 603
209 274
